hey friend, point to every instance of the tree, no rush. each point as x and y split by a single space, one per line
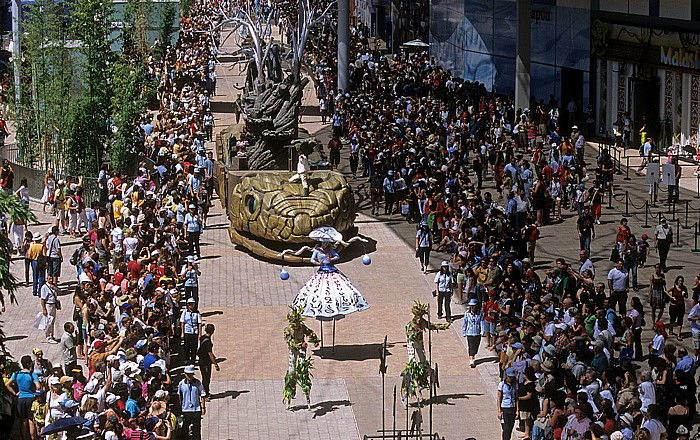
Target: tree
90 20
10 205
46 72
309 15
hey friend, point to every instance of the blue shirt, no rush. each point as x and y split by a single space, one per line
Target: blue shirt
132 407
25 383
191 321
687 364
443 281
191 223
472 323
509 394
190 395
148 360
191 278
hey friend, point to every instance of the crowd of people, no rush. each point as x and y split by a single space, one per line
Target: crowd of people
568 344
569 341
135 303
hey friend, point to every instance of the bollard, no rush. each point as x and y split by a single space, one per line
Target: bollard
610 206
697 195
627 172
678 234
646 215
695 240
627 204
687 203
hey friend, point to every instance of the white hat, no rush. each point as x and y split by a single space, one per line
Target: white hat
37 237
189 369
161 394
574 127
54 381
445 264
90 387
111 398
191 301
190 258
472 302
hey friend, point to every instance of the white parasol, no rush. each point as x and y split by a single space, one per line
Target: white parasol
326 234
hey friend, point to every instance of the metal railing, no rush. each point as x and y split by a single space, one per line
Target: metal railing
405 435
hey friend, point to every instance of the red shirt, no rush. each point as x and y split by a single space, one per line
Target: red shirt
134 269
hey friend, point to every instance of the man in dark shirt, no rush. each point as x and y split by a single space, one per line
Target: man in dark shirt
7 176
206 357
586 231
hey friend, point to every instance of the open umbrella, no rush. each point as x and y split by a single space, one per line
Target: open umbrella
326 234
416 43
61 425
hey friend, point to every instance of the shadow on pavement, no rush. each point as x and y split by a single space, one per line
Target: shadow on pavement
490 359
444 399
232 394
354 352
322 408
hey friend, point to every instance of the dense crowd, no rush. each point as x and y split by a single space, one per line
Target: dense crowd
569 342
135 306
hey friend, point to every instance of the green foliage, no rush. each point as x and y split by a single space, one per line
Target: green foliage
46 73
128 103
185 7
90 23
10 204
167 17
290 386
304 375
416 376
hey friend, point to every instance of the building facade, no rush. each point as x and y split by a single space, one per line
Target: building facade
613 56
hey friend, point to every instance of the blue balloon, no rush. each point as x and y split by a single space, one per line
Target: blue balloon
284 275
366 260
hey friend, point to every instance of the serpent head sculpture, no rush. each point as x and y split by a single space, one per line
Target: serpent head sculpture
267 212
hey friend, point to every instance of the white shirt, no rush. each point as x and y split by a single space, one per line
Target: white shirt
130 244
647 394
117 237
695 313
655 428
587 265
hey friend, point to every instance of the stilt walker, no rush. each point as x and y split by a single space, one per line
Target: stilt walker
299 369
416 375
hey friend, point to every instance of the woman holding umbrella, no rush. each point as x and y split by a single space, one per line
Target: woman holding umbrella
329 293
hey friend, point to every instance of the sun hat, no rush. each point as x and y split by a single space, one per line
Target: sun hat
548 366
37 236
510 372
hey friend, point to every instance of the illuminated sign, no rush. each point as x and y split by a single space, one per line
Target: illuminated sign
671 56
